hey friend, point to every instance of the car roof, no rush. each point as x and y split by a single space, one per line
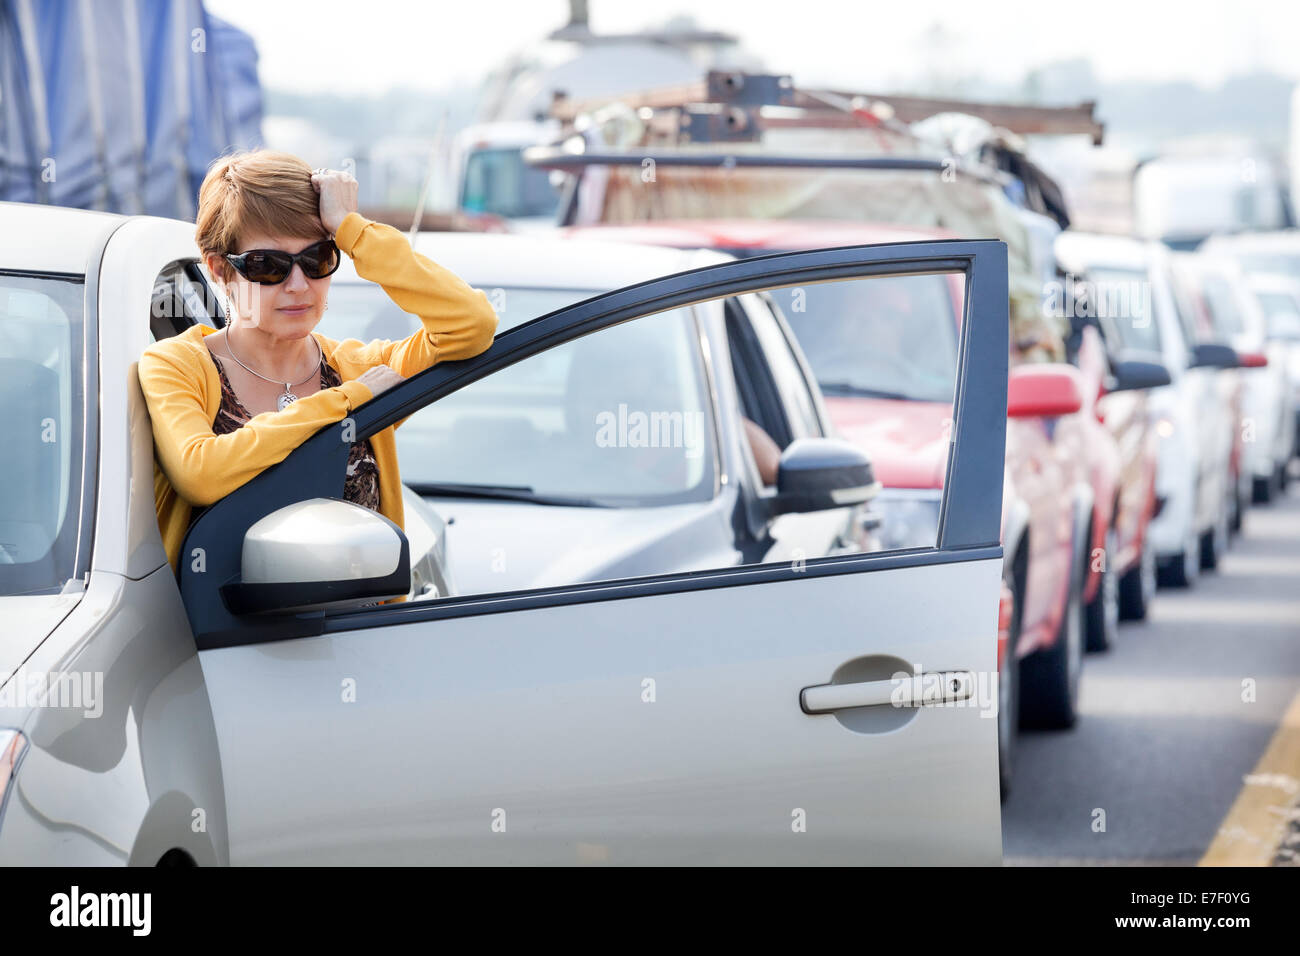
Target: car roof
1288 239
1211 262
503 133
1081 250
42 238
1273 282
769 234
549 261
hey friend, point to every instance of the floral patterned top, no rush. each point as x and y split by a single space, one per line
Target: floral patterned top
361 486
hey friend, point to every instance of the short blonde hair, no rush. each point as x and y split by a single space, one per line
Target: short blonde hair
251 191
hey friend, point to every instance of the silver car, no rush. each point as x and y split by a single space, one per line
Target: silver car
532 502
263 708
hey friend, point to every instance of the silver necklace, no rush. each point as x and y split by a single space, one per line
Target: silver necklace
286 399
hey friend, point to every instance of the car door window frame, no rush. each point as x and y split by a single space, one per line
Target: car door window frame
789 375
761 399
969 525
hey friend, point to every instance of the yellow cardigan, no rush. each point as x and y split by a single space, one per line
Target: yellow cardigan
195 467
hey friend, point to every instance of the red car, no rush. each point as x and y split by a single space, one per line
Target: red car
1123 475
1050 523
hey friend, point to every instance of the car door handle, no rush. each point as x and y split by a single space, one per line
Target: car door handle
935 687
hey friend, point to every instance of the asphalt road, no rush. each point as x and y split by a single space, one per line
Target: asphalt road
1164 738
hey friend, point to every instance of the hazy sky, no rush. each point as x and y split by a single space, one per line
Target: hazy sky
373 45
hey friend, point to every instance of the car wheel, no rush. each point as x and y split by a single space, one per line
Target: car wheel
1049 678
1214 543
1238 509
1103 610
1009 696
1262 491
1182 570
1138 585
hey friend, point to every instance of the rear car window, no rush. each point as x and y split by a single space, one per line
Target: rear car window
888 338
41 434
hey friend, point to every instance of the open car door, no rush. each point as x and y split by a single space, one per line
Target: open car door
829 710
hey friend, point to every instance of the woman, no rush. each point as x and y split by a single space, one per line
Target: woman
226 405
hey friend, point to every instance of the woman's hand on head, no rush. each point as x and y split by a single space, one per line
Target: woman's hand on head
338 196
380 379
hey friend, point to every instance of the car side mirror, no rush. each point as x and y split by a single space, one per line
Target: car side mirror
320 553
1213 355
1044 390
1131 375
818 474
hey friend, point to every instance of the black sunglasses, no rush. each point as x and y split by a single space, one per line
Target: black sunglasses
272 266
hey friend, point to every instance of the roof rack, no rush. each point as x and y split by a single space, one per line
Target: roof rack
731 107
557 157
748 93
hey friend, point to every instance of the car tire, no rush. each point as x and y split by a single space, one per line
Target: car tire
1138 585
1049 677
1261 491
1009 696
1214 543
1237 515
1182 569
1102 613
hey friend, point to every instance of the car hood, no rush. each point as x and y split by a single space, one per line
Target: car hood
29 619
507 546
906 441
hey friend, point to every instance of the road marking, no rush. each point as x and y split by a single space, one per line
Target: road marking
1257 823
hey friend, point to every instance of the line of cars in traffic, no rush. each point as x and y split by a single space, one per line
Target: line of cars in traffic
1100 497
717 485
1129 462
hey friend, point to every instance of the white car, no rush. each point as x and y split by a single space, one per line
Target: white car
265 709
1260 255
583 518
1196 497
1267 420
1279 299
492 178
1270 253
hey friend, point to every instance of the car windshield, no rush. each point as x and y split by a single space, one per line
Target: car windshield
1222 305
499 181
614 418
40 431
1121 300
891 337
1278 263
1283 312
